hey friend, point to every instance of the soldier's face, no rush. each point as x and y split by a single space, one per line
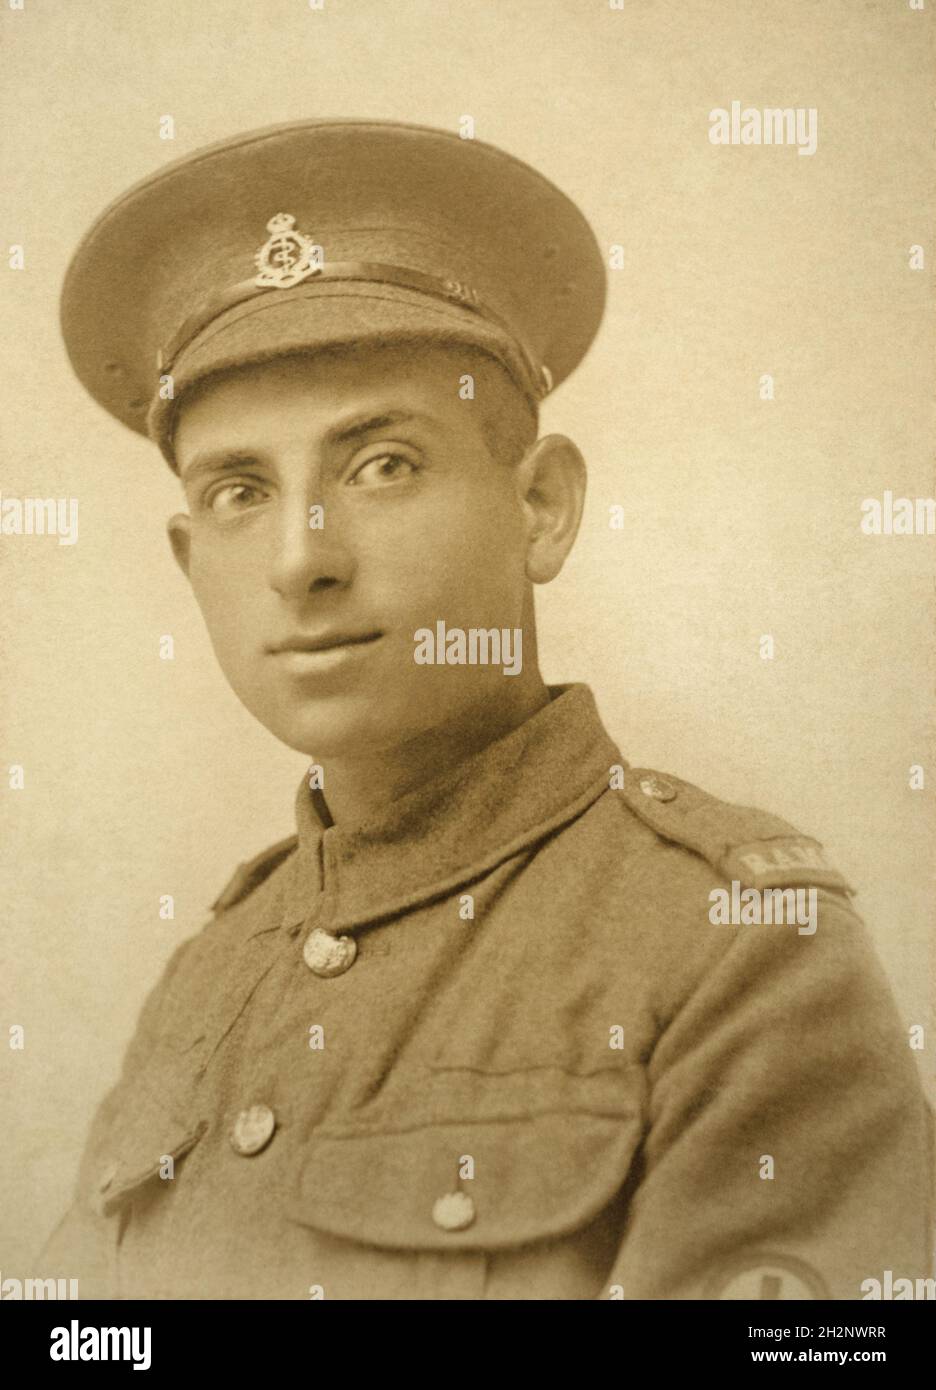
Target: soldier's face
312 613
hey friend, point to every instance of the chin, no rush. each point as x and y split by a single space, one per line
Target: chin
368 720
335 726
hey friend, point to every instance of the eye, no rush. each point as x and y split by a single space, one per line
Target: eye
232 498
383 468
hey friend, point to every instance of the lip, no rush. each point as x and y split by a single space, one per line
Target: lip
313 656
329 641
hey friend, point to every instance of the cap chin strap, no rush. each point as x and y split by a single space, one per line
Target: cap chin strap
540 378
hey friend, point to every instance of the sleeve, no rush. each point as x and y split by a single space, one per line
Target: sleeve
789 1146
83 1245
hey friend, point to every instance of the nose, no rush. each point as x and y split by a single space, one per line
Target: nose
307 553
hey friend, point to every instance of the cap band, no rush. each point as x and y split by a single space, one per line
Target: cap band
375 271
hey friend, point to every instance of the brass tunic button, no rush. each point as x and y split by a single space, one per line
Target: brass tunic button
658 788
454 1211
253 1130
327 955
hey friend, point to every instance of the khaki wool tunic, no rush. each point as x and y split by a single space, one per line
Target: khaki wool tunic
545 1074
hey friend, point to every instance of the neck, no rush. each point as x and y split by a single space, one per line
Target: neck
356 788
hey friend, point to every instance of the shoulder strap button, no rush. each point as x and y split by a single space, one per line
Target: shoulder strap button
657 787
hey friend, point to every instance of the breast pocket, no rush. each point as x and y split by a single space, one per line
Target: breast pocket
467 1161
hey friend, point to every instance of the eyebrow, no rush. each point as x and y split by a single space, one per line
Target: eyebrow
357 428
229 460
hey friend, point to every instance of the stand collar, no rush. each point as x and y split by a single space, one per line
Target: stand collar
455 826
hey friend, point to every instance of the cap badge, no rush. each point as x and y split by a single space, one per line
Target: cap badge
288 257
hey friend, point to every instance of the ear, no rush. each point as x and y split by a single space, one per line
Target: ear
179 529
551 478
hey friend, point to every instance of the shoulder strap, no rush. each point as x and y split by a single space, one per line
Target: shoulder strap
758 849
251 874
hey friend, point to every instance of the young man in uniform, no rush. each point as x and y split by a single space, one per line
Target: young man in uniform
475 1031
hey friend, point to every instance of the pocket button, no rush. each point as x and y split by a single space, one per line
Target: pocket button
453 1212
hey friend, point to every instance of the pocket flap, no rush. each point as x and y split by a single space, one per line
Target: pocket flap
152 1121
534 1177
140 1159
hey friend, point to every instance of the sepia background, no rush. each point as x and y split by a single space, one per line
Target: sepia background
145 777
